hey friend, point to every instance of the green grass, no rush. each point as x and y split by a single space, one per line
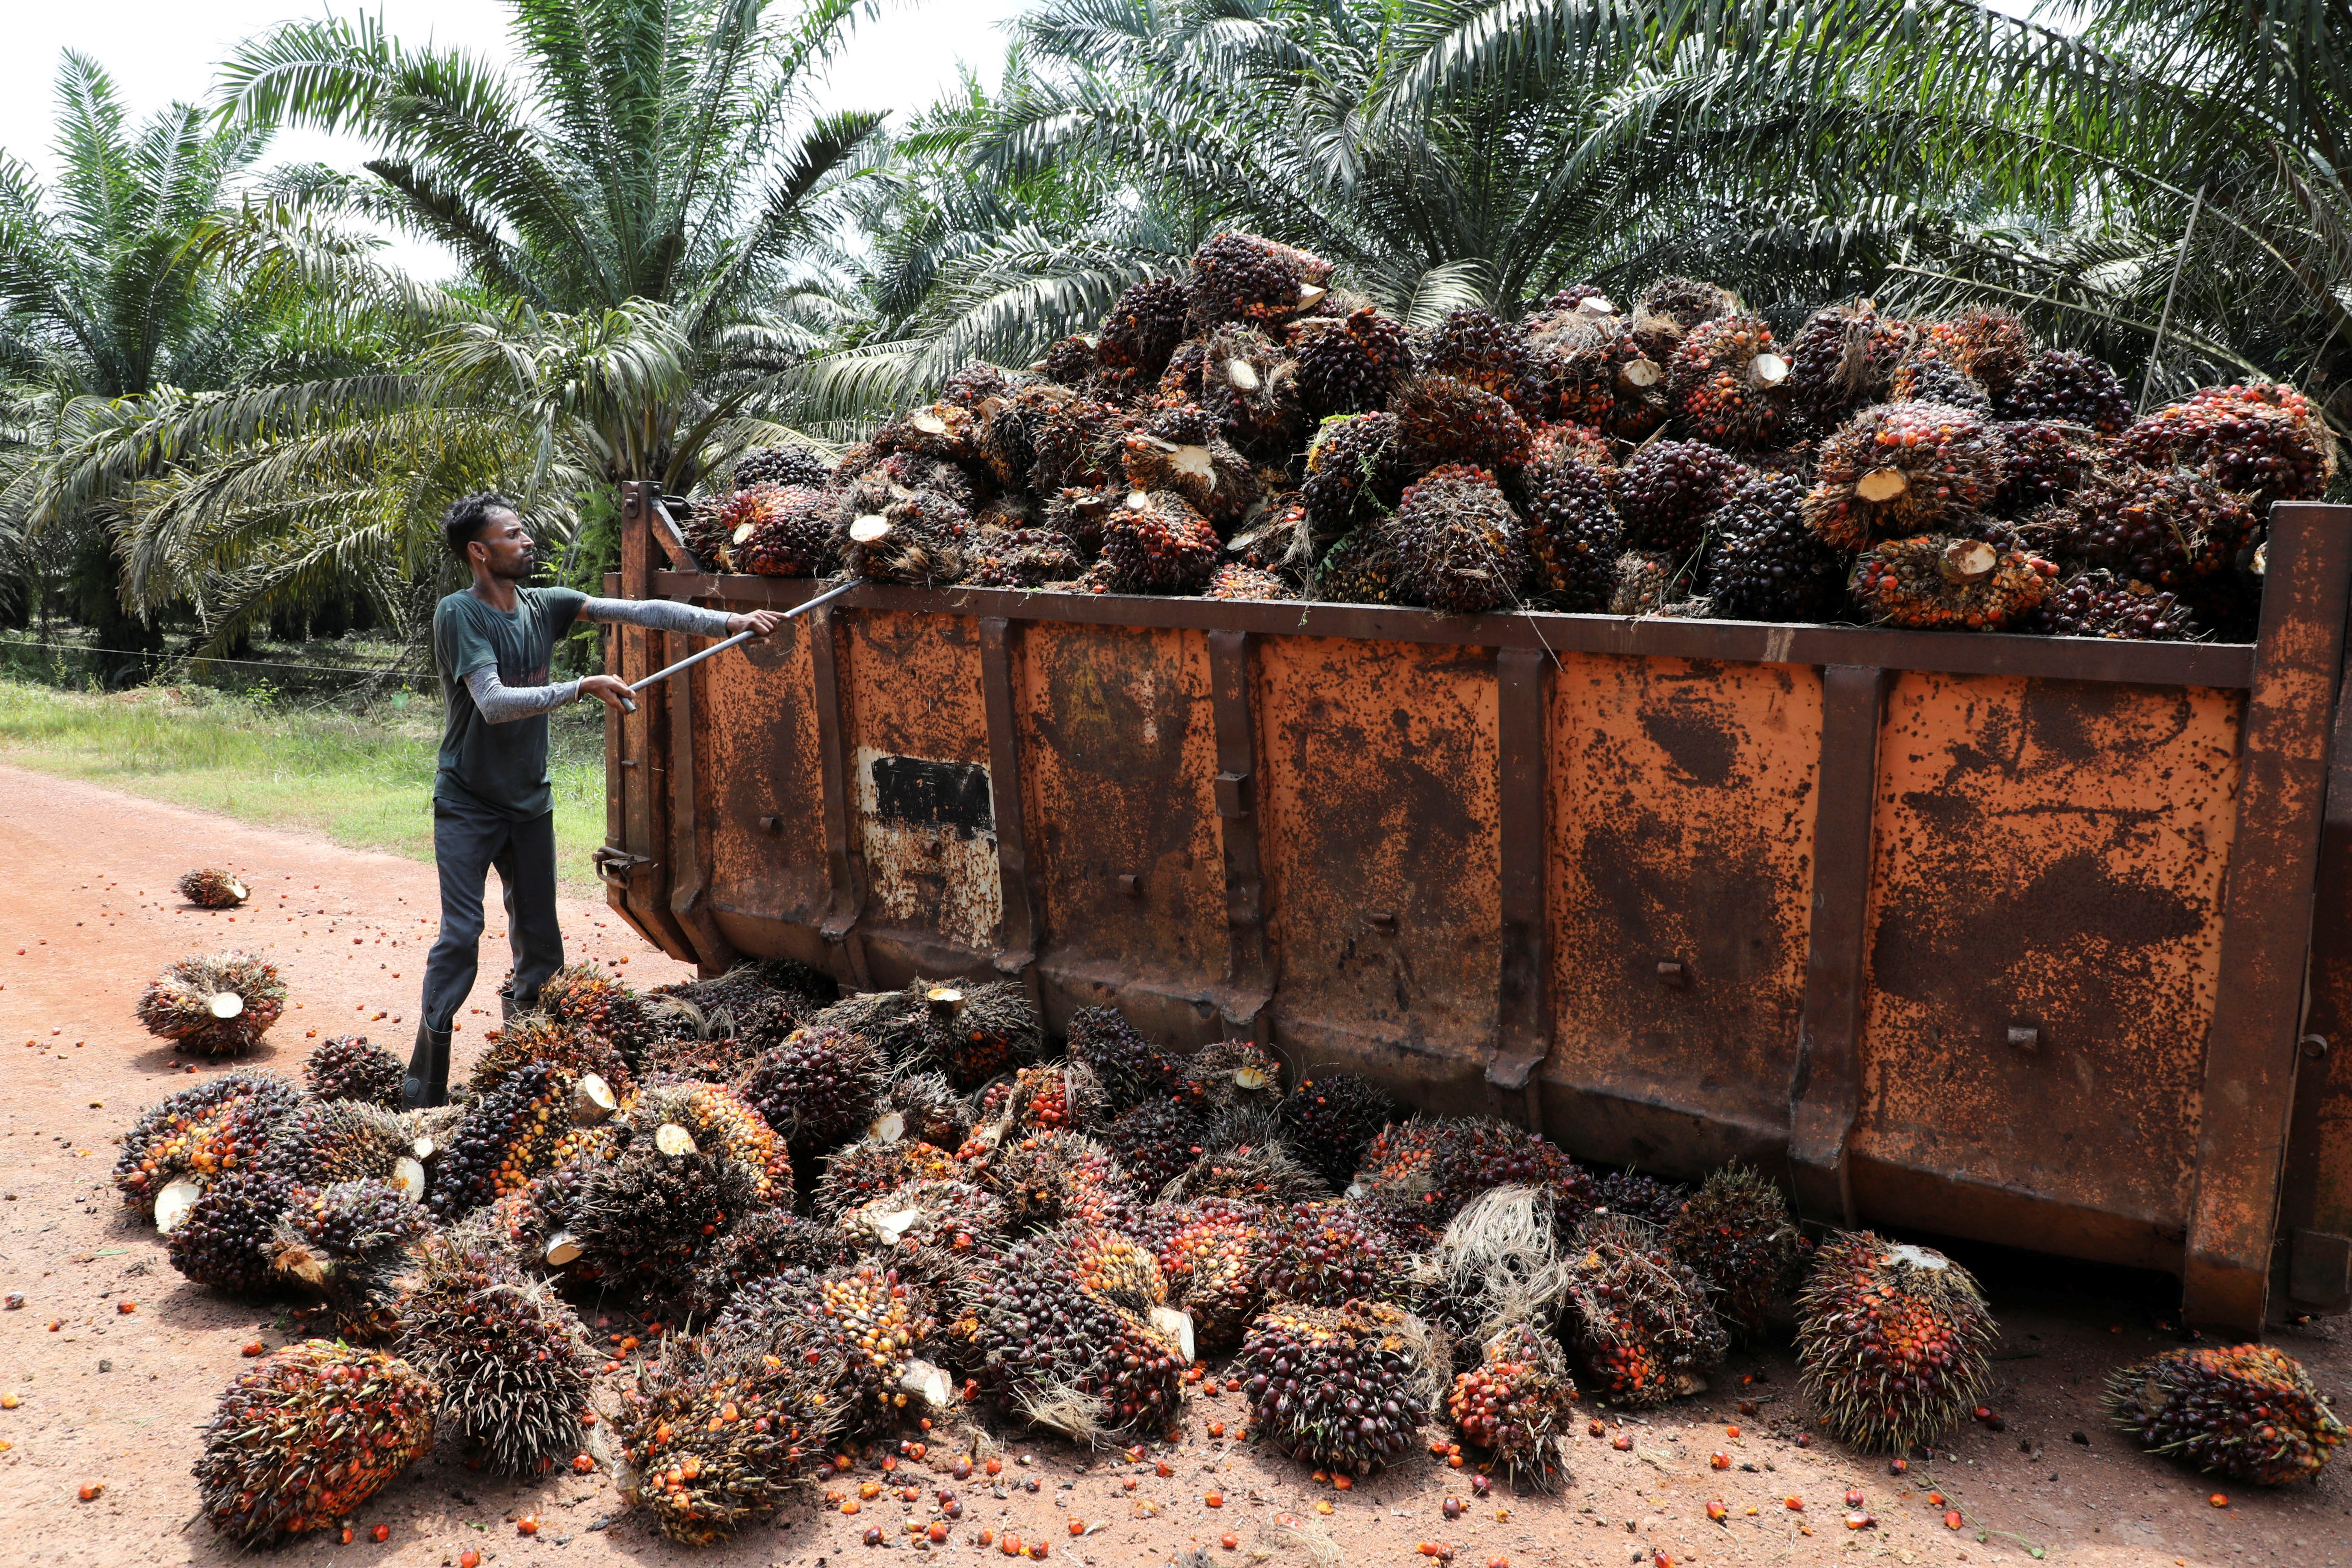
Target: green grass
363 779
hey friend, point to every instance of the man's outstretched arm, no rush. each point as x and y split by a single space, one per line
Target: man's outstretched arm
501 704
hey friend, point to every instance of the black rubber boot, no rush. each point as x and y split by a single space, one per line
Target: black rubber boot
427 1083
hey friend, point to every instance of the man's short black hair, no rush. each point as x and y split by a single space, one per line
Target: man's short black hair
468 515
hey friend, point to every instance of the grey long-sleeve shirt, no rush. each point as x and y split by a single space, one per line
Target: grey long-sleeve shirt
501 704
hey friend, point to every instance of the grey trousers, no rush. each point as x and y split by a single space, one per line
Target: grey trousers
467 841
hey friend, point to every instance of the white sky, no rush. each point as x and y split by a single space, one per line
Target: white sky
159 50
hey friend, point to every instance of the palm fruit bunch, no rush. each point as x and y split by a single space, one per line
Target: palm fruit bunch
1328 1120
1727 382
923 1106
1737 1233
720 1060
1436 1167
1573 533
1045 1179
1515 1402
585 998
764 1244
1892 1342
1322 1254
1226 1073
863 1326
1904 468
818 1090
1010 423
2098 604
1949 583
1233 581
213 1005
2248 1412
1930 373
1764 563
346 1067
361 1219
1243 1157
2163 528
648 1220
1669 490
199 1133
1157 1141
972 1033
939 430
1665 311
1057 1094
892 534
1441 420
875 1166
978 382
510 1359
1496 1263
2047 462
1642 1324
1459 543
2067 386
772 531
804 468
1021 558
718 1121
306 1436
1648 583
1361 569
1142 328
716 1432
508 1136
1155 542
1049 1349
2264 440
926 1231
1992 348
1341 1389
1636 1193
1347 364
1211 477
1594 371
1069 362
1212 1254
1114 1267
542 1038
1843 355
1355 473
1241 278
325 1140
1076 442
1491 354
228 1238
210 888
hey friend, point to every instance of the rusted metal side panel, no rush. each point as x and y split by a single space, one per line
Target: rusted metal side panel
2045 949
761 788
921 806
690 858
636 868
1681 832
2315 1222
1119 741
1379 822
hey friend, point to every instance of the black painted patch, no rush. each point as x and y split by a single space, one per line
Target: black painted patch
923 793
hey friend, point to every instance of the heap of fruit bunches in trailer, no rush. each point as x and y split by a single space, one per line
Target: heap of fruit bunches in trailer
905 1215
1251 432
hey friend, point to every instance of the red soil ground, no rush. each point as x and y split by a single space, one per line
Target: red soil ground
115 1399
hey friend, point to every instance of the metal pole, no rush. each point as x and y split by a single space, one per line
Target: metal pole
663 673
2164 322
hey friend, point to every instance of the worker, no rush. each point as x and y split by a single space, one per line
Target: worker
492 801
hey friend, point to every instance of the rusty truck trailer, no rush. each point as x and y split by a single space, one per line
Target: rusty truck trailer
2040 941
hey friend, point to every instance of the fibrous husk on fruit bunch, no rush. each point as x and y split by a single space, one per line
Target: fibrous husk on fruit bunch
720 1123
1342 1389
1665 311
228 1238
1324 1253
543 1038
2248 1412
1845 355
1474 346
325 1140
648 1220
718 1432
775 531
1212 1254
937 430
1355 476
1235 581
923 1106
512 1360
2068 387
306 1436
597 1003
1764 563
1361 568
1434 1167
1441 420
1892 1342
717 1060
818 1090
1516 1403
1227 1073
1077 445
929 1231
1595 372
507 1137
1239 277
2164 528
1573 533
1949 583
214 1004
1156 542
1046 1349
1500 1261
740 1005
1727 383
1904 468
200 1132
1459 543
1045 1179
1736 1232
1157 1141
803 467
765 1243
2047 463
2098 604
972 1033
1329 1118
1649 583
874 1166
211 887
1640 1319
1021 558
1669 490
978 382
1349 364
1243 1156
346 1067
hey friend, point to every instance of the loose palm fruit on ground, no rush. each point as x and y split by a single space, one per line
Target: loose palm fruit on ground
210 888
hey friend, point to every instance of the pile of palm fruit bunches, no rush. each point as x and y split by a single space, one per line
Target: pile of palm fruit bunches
899 1215
1251 432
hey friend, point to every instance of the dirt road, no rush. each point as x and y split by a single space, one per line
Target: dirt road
115 1398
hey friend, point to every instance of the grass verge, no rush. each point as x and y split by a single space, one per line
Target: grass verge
363 779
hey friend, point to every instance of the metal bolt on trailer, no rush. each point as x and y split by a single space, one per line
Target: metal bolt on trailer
2043 941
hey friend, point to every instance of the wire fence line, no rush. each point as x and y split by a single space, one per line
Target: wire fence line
384 672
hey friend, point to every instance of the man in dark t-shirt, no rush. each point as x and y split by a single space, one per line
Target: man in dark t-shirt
492 798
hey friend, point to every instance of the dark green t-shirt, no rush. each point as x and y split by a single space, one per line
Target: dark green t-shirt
502 766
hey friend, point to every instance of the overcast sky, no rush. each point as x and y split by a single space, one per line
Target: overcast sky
158 50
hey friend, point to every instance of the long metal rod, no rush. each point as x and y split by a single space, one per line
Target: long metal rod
828 596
